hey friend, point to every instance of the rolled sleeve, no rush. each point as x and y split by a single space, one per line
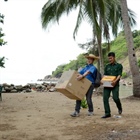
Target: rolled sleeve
82 71
120 69
92 70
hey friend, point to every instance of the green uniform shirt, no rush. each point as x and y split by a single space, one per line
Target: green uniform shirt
113 69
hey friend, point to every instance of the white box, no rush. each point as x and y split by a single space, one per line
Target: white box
107 80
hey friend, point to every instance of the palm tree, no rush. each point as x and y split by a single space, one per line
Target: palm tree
131 51
98 13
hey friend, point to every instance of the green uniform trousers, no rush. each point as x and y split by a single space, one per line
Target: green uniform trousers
106 95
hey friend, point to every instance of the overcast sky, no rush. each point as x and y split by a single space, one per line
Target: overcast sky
32 52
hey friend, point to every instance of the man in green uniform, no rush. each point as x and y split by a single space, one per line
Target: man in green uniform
112 69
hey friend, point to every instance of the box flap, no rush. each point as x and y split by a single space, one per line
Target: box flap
108 78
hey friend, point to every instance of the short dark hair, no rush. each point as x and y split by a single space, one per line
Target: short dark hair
111 54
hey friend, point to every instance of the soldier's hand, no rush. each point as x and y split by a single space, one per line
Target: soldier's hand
113 83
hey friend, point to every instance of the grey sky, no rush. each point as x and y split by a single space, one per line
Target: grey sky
33 52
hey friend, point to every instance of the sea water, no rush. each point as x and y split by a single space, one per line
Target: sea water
26 81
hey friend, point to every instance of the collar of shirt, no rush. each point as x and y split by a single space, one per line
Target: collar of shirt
88 65
113 63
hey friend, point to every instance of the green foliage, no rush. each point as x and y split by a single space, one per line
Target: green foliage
72 65
84 103
89 11
136 33
119 44
2 42
2 62
1 18
137 42
121 33
136 38
81 60
59 70
124 75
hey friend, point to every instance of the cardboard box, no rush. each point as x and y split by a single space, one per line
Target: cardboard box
71 87
107 80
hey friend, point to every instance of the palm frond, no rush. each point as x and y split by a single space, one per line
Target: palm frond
60 10
132 16
94 15
71 5
2 62
79 19
1 18
48 14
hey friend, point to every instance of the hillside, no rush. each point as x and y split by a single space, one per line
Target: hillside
118 45
125 61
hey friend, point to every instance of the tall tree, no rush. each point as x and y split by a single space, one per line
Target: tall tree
98 13
131 50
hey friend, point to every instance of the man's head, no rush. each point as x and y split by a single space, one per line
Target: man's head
91 58
111 57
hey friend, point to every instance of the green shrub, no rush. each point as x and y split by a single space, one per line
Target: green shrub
124 75
84 103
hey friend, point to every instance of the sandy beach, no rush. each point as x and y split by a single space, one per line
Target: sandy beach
46 116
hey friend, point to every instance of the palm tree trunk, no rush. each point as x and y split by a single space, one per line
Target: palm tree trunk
99 39
131 51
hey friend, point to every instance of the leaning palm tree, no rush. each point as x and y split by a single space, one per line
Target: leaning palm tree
131 51
96 12
53 10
